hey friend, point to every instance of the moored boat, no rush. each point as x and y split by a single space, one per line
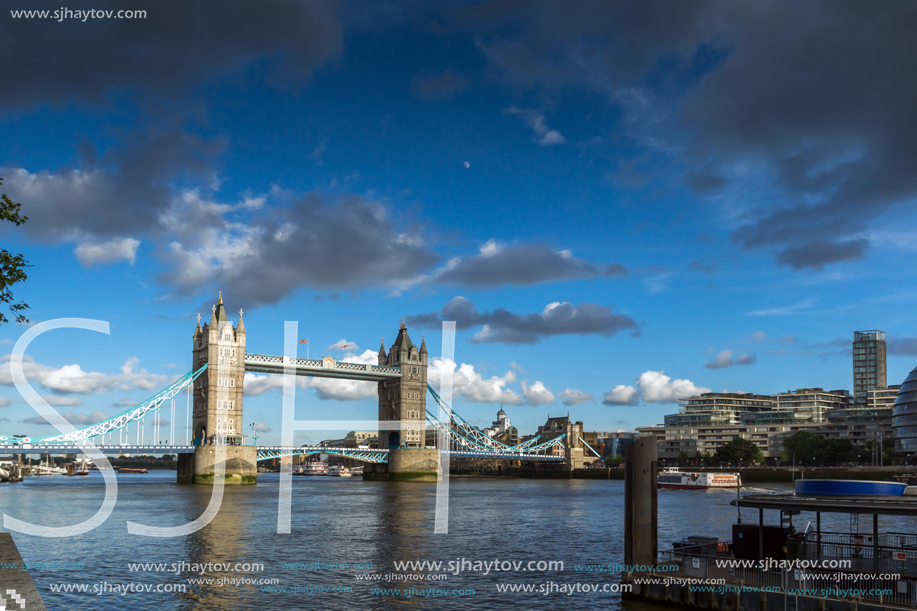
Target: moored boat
847 487
697 480
314 468
130 470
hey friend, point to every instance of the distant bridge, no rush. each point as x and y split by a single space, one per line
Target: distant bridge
264 452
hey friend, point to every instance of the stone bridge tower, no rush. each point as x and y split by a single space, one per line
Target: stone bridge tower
217 422
217 415
404 400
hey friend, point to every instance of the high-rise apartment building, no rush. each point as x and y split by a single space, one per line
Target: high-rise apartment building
869 371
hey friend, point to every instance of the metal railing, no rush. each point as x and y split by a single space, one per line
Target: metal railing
847 584
864 553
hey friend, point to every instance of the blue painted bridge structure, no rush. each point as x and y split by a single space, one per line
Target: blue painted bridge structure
214 408
466 441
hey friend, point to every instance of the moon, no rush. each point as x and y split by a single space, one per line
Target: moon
467 165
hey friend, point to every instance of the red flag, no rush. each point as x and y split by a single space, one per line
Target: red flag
344 346
303 341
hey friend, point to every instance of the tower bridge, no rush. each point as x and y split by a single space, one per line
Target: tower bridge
215 415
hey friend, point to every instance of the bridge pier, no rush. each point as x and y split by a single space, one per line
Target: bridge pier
200 467
406 464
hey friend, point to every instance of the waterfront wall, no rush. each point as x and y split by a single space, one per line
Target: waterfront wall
200 467
406 464
787 476
682 596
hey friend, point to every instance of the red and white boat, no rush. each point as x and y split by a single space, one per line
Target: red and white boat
697 480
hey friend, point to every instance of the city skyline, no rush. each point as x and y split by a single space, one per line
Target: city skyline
609 234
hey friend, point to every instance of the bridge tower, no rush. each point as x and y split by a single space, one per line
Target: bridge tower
217 422
404 400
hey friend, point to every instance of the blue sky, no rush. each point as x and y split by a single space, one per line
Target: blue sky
618 205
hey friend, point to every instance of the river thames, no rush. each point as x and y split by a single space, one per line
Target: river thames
342 522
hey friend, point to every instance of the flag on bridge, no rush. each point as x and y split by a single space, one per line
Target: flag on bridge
303 341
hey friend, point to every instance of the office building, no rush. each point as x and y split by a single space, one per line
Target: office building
869 370
718 409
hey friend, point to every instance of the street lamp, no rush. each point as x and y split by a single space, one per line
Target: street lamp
254 434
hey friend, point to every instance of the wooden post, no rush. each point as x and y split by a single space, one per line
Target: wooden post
875 542
640 523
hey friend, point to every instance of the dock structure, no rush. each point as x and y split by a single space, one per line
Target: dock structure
863 569
18 591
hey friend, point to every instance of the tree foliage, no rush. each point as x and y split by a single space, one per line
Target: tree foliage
808 448
12 267
738 450
804 446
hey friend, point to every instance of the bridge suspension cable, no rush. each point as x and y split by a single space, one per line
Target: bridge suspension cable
464 434
122 420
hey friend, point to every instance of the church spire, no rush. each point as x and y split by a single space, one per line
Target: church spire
241 327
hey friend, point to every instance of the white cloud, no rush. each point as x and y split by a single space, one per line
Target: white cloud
326 388
261 427
544 135
72 379
722 360
118 249
785 310
660 388
622 395
536 394
4 401
746 359
342 390
343 344
517 367
61 401
72 418
757 336
255 385
160 421
471 385
573 397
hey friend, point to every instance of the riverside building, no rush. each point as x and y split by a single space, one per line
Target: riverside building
869 368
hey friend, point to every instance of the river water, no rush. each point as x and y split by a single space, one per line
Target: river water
346 521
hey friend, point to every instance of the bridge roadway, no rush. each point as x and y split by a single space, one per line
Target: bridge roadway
320 368
264 452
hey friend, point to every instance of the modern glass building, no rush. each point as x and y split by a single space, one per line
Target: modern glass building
869 372
718 409
904 421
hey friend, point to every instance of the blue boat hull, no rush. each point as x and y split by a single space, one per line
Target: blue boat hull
848 487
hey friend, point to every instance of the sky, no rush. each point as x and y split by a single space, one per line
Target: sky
619 204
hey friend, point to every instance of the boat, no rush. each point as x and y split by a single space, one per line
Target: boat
356 471
314 468
697 480
130 470
848 487
82 468
338 471
4 475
